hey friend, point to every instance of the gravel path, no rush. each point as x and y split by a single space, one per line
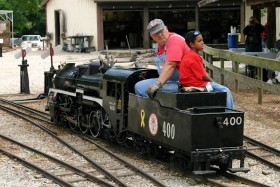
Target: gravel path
261 121
10 70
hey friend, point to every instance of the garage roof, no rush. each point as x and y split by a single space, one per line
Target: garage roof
43 3
262 2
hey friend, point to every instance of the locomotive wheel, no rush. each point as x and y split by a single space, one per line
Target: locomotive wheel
83 125
94 122
179 161
129 143
83 129
154 151
66 102
63 122
72 126
121 137
105 120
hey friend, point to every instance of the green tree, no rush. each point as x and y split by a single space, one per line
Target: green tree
29 17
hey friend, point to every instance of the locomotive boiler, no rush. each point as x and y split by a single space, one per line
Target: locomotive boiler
194 129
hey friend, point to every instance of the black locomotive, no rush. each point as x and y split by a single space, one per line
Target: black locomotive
193 129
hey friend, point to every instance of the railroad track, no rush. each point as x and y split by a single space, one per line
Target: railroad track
118 169
89 153
58 168
26 109
263 153
25 100
218 179
229 179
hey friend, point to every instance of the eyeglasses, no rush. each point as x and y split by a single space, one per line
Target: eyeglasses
196 33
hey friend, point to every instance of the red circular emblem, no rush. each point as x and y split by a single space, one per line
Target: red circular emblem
153 124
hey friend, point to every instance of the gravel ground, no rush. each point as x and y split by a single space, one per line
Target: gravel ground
261 121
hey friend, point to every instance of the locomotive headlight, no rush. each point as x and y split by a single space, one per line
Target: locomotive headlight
119 104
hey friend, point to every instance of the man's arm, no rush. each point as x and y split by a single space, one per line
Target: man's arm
167 71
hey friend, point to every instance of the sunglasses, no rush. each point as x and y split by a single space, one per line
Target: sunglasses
196 33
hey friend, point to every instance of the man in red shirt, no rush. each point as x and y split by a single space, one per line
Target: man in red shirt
169 53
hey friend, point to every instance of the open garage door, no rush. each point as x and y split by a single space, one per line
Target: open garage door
118 25
59 26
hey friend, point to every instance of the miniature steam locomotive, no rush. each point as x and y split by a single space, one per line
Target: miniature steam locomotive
194 129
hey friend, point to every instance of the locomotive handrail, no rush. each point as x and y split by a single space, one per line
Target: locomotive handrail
221 55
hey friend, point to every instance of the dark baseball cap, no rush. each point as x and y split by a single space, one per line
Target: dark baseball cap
155 26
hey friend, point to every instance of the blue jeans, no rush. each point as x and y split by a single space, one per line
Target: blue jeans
141 86
172 86
220 88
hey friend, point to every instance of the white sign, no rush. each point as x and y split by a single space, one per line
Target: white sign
3 26
1 40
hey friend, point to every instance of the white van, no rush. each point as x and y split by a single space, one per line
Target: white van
32 41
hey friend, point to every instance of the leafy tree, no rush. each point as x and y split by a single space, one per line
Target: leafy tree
29 18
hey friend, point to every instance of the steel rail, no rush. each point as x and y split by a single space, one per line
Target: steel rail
261 145
40 113
266 162
244 180
16 113
22 113
210 179
133 167
38 169
60 162
38 98
93 163
264 147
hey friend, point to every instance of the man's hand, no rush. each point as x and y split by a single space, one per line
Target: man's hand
152 89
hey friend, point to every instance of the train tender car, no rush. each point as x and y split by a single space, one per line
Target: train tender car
193 129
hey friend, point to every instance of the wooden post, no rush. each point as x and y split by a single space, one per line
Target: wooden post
271 20
100 31
242 20
146 41
260 89
236 70
257 14
222 75
206 58
210 60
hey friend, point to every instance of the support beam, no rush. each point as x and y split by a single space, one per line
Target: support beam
146 20
259 2
271 20
205 2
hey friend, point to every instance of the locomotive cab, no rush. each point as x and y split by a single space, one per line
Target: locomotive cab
117 84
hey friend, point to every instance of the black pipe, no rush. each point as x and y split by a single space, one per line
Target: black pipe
0 50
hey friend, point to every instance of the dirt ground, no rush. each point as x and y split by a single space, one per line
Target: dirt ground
261 120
